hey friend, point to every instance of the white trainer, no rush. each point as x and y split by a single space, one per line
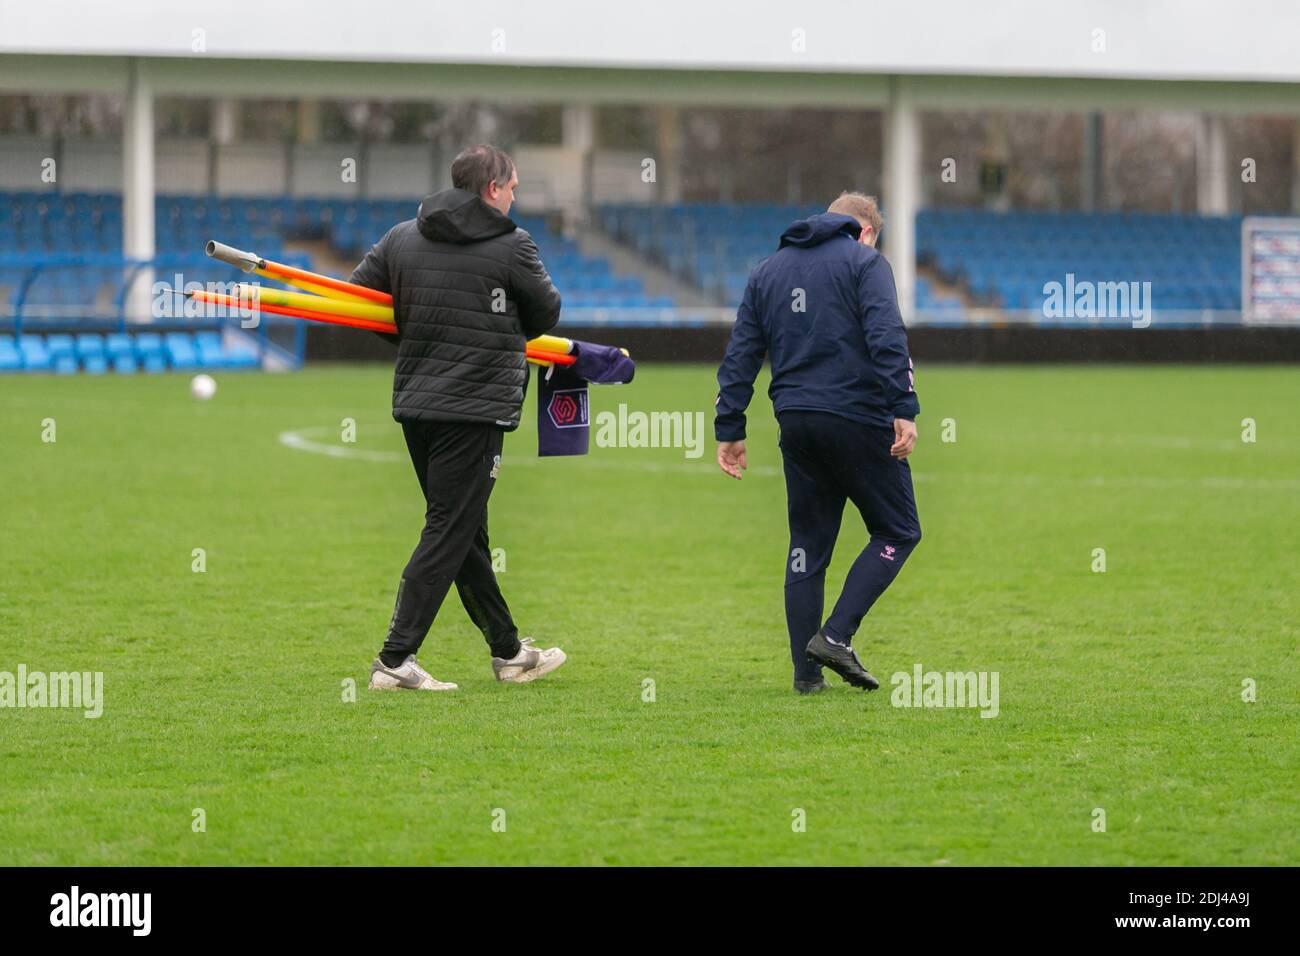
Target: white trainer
529 664
408 675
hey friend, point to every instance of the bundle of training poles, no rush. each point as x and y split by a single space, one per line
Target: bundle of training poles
326 299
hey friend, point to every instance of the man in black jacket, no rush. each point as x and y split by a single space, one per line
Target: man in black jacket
469 290
824 309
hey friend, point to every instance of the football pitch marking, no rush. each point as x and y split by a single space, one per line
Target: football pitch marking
301 441
304 439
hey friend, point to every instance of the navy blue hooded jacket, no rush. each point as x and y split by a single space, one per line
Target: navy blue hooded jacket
842 349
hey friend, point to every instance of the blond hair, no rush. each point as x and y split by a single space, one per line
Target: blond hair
861 207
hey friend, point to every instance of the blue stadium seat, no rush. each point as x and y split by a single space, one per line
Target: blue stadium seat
150 353
180 350
61 348
89 350
35 353
117 345
242 356
11 360
207 346
89 345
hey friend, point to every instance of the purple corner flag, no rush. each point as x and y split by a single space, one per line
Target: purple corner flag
602 364
563 413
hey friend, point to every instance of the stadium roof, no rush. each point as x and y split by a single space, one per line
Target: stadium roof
1248 40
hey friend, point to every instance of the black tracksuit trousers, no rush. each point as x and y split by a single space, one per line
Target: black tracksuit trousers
457 464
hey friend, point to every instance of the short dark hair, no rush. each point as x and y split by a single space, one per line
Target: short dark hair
479 165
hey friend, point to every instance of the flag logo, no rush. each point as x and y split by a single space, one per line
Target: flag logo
568 408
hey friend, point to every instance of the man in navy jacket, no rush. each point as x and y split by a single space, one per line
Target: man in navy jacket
824 310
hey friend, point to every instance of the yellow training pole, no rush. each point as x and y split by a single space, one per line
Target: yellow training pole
306 286
317 303
338 297
552 343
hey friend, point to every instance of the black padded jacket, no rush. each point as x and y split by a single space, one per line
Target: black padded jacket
469 289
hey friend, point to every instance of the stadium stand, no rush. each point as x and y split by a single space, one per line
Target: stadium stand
586 282
716 245
66 252
1005 259
999 260
64 269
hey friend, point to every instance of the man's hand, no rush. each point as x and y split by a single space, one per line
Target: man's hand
731 457
904 439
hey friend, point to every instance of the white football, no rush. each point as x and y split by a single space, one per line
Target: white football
203 387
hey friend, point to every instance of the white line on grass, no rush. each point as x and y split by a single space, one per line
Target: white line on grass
300 441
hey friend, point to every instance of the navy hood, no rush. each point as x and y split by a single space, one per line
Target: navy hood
815 230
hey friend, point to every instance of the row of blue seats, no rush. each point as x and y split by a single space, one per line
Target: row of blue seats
614 214
91 224
1033 297
357 237
81 204
710 244
1200 258
613 300
987 281
1132 237
575 264
189 242
123 352
275 212
84 280
576 282
1111 218
33 210
72 289
1193 262
981 273
1148 250
1195 258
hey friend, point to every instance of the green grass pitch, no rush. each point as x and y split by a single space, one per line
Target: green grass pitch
224 690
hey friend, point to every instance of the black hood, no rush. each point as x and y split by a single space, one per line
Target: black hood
455 215
815 230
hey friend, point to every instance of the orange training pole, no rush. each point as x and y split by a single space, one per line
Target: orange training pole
312 281
553 358
216 298
293 275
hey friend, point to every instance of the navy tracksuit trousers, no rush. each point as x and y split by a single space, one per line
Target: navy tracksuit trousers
830 460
